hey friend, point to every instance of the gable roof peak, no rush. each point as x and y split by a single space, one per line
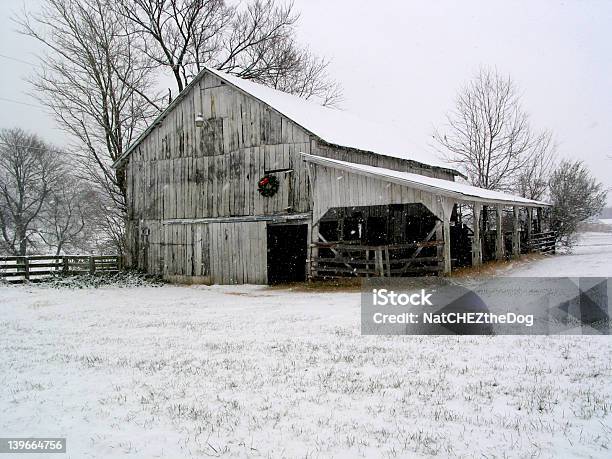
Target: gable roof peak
331 125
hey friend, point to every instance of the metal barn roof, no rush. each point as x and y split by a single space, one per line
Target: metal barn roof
448 188
333 126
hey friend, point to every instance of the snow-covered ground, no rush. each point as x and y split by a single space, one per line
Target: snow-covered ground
592 257
250 371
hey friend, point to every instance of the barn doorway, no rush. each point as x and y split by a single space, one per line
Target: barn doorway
287 253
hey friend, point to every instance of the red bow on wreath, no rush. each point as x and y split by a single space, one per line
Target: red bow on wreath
268 186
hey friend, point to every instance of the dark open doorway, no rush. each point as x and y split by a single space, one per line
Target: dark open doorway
287 253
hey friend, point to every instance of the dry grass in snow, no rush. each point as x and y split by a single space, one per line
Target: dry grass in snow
250 371
173 371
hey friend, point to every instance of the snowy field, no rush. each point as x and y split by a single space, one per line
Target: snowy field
591 258
250 371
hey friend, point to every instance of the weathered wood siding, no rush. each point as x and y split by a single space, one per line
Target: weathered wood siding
172 250
220 253
238 253
338 188
180 171
361 157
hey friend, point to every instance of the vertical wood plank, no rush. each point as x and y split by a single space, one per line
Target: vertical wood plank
516 233
499 245
477 239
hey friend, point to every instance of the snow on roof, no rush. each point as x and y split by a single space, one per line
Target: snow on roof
444 187
334 126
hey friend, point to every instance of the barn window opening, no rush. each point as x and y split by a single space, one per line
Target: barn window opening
377 231
329 230
352 228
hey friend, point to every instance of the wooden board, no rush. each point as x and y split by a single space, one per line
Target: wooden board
181 172
238 253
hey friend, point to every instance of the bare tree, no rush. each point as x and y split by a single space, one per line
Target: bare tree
28 173
255 41
178 34
63 218
76 219
95 84
301 73
532 178
576 195
488 134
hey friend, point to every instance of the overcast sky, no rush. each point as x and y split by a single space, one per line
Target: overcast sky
405 60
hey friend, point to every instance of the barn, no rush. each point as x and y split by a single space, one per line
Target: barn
238 183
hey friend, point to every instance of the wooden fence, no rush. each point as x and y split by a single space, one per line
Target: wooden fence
337 259
38 267
542 242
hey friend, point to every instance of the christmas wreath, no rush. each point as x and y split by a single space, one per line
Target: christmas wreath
267 186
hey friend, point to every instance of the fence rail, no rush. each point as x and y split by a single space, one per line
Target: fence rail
544 242
37 267
336 259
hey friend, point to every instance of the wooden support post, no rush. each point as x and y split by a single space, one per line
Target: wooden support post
447 210
529 227
309 252
439 231
388 261
314 251
516 233
447 245
499 243
26 268
92 265
65 266
477 239
378 257
539 217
